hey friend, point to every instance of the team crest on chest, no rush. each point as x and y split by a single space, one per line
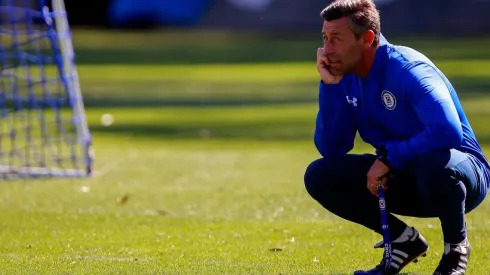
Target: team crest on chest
389 100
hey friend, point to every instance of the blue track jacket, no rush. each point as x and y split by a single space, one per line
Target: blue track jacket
405 106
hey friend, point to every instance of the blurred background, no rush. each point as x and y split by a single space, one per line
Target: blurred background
235 70
401 17
192 32
229 53
243 52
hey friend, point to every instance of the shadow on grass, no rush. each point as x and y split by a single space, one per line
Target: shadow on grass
197 103
256 51
258 130
208 94
262 94
282 128
471 86
197 93
293 131
205 47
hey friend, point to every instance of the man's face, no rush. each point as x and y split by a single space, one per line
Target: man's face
342 48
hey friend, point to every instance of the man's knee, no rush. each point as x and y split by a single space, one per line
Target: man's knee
451 173
328 175
440 162
322 178
432 159
439 170
316 176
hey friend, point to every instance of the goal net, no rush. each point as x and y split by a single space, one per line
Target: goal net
43 129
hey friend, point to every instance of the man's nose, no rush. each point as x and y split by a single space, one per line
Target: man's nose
327 47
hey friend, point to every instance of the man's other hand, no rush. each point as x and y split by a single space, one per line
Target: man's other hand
377 173
322 64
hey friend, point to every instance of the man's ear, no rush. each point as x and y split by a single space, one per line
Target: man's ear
368 38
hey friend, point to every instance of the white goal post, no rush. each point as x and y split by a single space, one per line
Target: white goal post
43 128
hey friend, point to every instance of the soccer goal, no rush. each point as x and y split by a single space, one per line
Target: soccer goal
43 129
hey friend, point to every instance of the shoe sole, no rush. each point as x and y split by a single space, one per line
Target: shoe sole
416 260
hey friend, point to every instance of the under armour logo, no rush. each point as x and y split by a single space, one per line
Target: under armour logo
353 101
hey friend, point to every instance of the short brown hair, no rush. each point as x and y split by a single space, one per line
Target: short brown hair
362 14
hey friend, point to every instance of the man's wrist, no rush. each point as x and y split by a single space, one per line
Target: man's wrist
383 157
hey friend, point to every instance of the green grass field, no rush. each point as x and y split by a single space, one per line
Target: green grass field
202 173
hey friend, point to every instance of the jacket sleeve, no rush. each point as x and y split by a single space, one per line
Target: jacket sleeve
335 122
430 97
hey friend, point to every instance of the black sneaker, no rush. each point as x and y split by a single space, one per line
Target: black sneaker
401 255
455 259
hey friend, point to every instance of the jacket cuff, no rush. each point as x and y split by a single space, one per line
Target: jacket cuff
382 155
